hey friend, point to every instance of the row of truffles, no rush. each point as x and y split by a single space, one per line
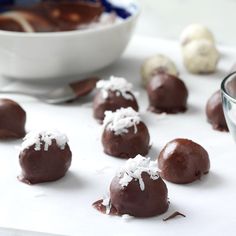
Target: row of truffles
138 189
167 93
200 55
126 136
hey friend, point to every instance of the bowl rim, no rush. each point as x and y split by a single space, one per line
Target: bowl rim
223 90
131 18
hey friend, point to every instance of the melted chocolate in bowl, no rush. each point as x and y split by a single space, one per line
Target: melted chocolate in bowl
54 16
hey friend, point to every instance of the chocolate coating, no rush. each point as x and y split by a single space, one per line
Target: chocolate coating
131 200
44 166
182 161
111 103
167 93
12 119
127 145
215 114
51 16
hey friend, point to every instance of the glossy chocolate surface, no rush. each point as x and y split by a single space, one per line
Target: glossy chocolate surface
44 166
111 103
167 93
182 161
127 145
132 201
215 113
51 16
12 119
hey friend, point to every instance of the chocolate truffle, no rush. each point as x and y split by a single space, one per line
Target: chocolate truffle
196 32
12 119
200 56
125 135
214 112
112 95
45 156
156 64
167 93
182 161
138 190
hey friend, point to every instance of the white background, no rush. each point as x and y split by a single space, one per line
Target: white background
167 18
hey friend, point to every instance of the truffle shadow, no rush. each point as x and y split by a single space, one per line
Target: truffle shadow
70 182
210 180
193 109
153 152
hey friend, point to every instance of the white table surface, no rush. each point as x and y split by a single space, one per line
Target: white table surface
168 18
64 207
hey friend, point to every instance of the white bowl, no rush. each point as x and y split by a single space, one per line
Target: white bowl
56 55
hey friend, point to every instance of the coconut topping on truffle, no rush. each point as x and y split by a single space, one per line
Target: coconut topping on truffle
134 168
120 120
119 85
44 139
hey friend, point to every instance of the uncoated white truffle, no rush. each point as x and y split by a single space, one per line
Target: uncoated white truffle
200 56
196 32
155 64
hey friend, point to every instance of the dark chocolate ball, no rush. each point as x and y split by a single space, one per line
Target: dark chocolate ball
127 145
215 113
40 166
131 200
112 102
182 161
12 119
167 93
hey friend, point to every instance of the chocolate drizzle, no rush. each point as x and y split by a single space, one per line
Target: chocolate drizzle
172 216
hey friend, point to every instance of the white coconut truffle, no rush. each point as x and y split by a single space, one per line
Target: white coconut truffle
200 56
157 63
196 32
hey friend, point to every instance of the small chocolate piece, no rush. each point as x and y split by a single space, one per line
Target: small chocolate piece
84 87
104 207
114 94
12 119
182 161
44 157
125 135
215 114
172 216
137 190
167 93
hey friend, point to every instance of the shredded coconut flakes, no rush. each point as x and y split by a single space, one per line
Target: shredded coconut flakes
134 168
120 120
116 84
44 138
